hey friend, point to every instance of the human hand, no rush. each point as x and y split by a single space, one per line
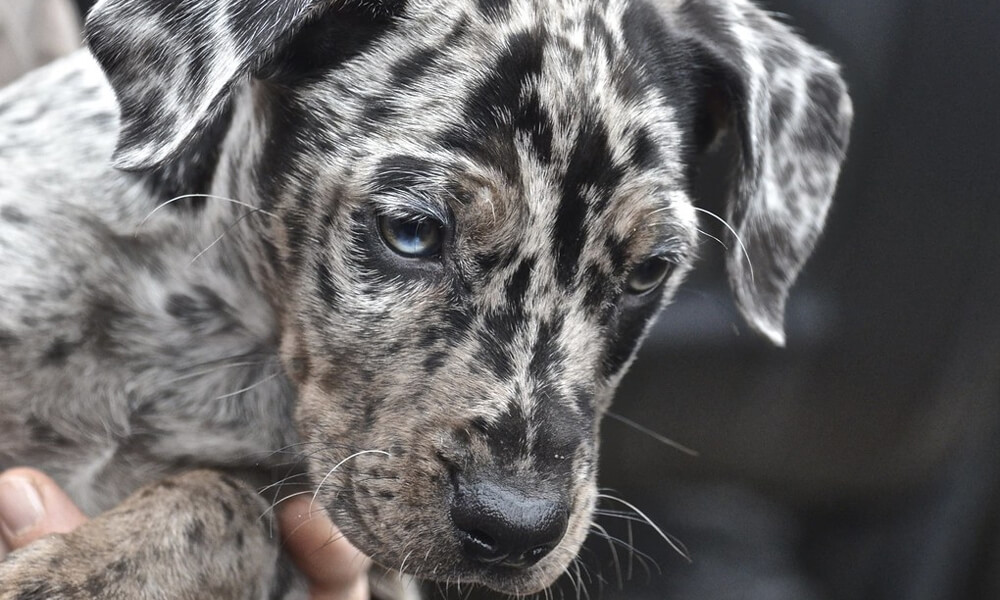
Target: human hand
32 506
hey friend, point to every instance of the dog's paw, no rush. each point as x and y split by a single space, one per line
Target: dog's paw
49 569
197 535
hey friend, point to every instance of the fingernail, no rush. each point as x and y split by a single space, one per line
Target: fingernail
20 506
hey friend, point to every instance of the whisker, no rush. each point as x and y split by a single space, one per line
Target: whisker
675 544
282 481
222 235
709 235
614 552
208 196
338 465
275 504
739 240
656 436
635 553
213 370
248 388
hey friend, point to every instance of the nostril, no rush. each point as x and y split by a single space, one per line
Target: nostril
529 558
483 546
501 524
536 554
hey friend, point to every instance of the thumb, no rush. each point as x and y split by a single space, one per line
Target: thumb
32 506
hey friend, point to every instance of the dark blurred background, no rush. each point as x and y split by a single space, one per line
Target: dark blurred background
862 462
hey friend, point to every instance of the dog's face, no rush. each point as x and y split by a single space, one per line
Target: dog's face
478 207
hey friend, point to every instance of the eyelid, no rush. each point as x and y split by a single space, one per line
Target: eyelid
412 206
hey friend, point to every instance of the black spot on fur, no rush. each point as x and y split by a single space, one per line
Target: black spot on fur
195 532
532 119
494 9
494 259
299 368
96 585
546 353
227 512
13 214
600 292
781 110
517 285
7 339
327 288
413 67
339 34
181 306
59 352
618 253
202 309
458 31
191 170
43 433
434 361
457 322
591 170
251 17
377 111
494 352
645 154
502 323
495 109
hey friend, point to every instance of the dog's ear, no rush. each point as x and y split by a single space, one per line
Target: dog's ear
173 63
788 105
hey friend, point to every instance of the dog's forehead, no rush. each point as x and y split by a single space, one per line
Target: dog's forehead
539 106
549 75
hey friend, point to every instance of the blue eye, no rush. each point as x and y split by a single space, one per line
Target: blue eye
412 237
649 275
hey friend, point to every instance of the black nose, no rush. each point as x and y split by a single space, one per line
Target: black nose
500 524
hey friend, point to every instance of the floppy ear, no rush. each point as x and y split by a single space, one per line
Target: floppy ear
173 63
788 104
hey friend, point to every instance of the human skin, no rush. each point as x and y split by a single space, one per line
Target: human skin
33 506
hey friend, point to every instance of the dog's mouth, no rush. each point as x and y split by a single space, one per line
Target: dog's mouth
512 536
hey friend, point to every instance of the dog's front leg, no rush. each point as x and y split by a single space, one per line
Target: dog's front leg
195 536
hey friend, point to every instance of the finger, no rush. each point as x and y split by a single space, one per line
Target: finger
336 570
32 506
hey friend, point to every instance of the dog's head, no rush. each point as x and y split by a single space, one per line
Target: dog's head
478 207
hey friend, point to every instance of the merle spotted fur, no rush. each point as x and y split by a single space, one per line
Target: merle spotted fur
195 280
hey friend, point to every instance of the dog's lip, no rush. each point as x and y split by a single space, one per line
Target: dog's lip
511 580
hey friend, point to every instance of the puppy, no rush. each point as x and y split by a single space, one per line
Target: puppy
399 252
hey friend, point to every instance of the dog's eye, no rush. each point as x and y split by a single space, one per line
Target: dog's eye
412 237
649 275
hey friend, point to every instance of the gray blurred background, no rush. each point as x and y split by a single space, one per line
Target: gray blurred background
862 462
